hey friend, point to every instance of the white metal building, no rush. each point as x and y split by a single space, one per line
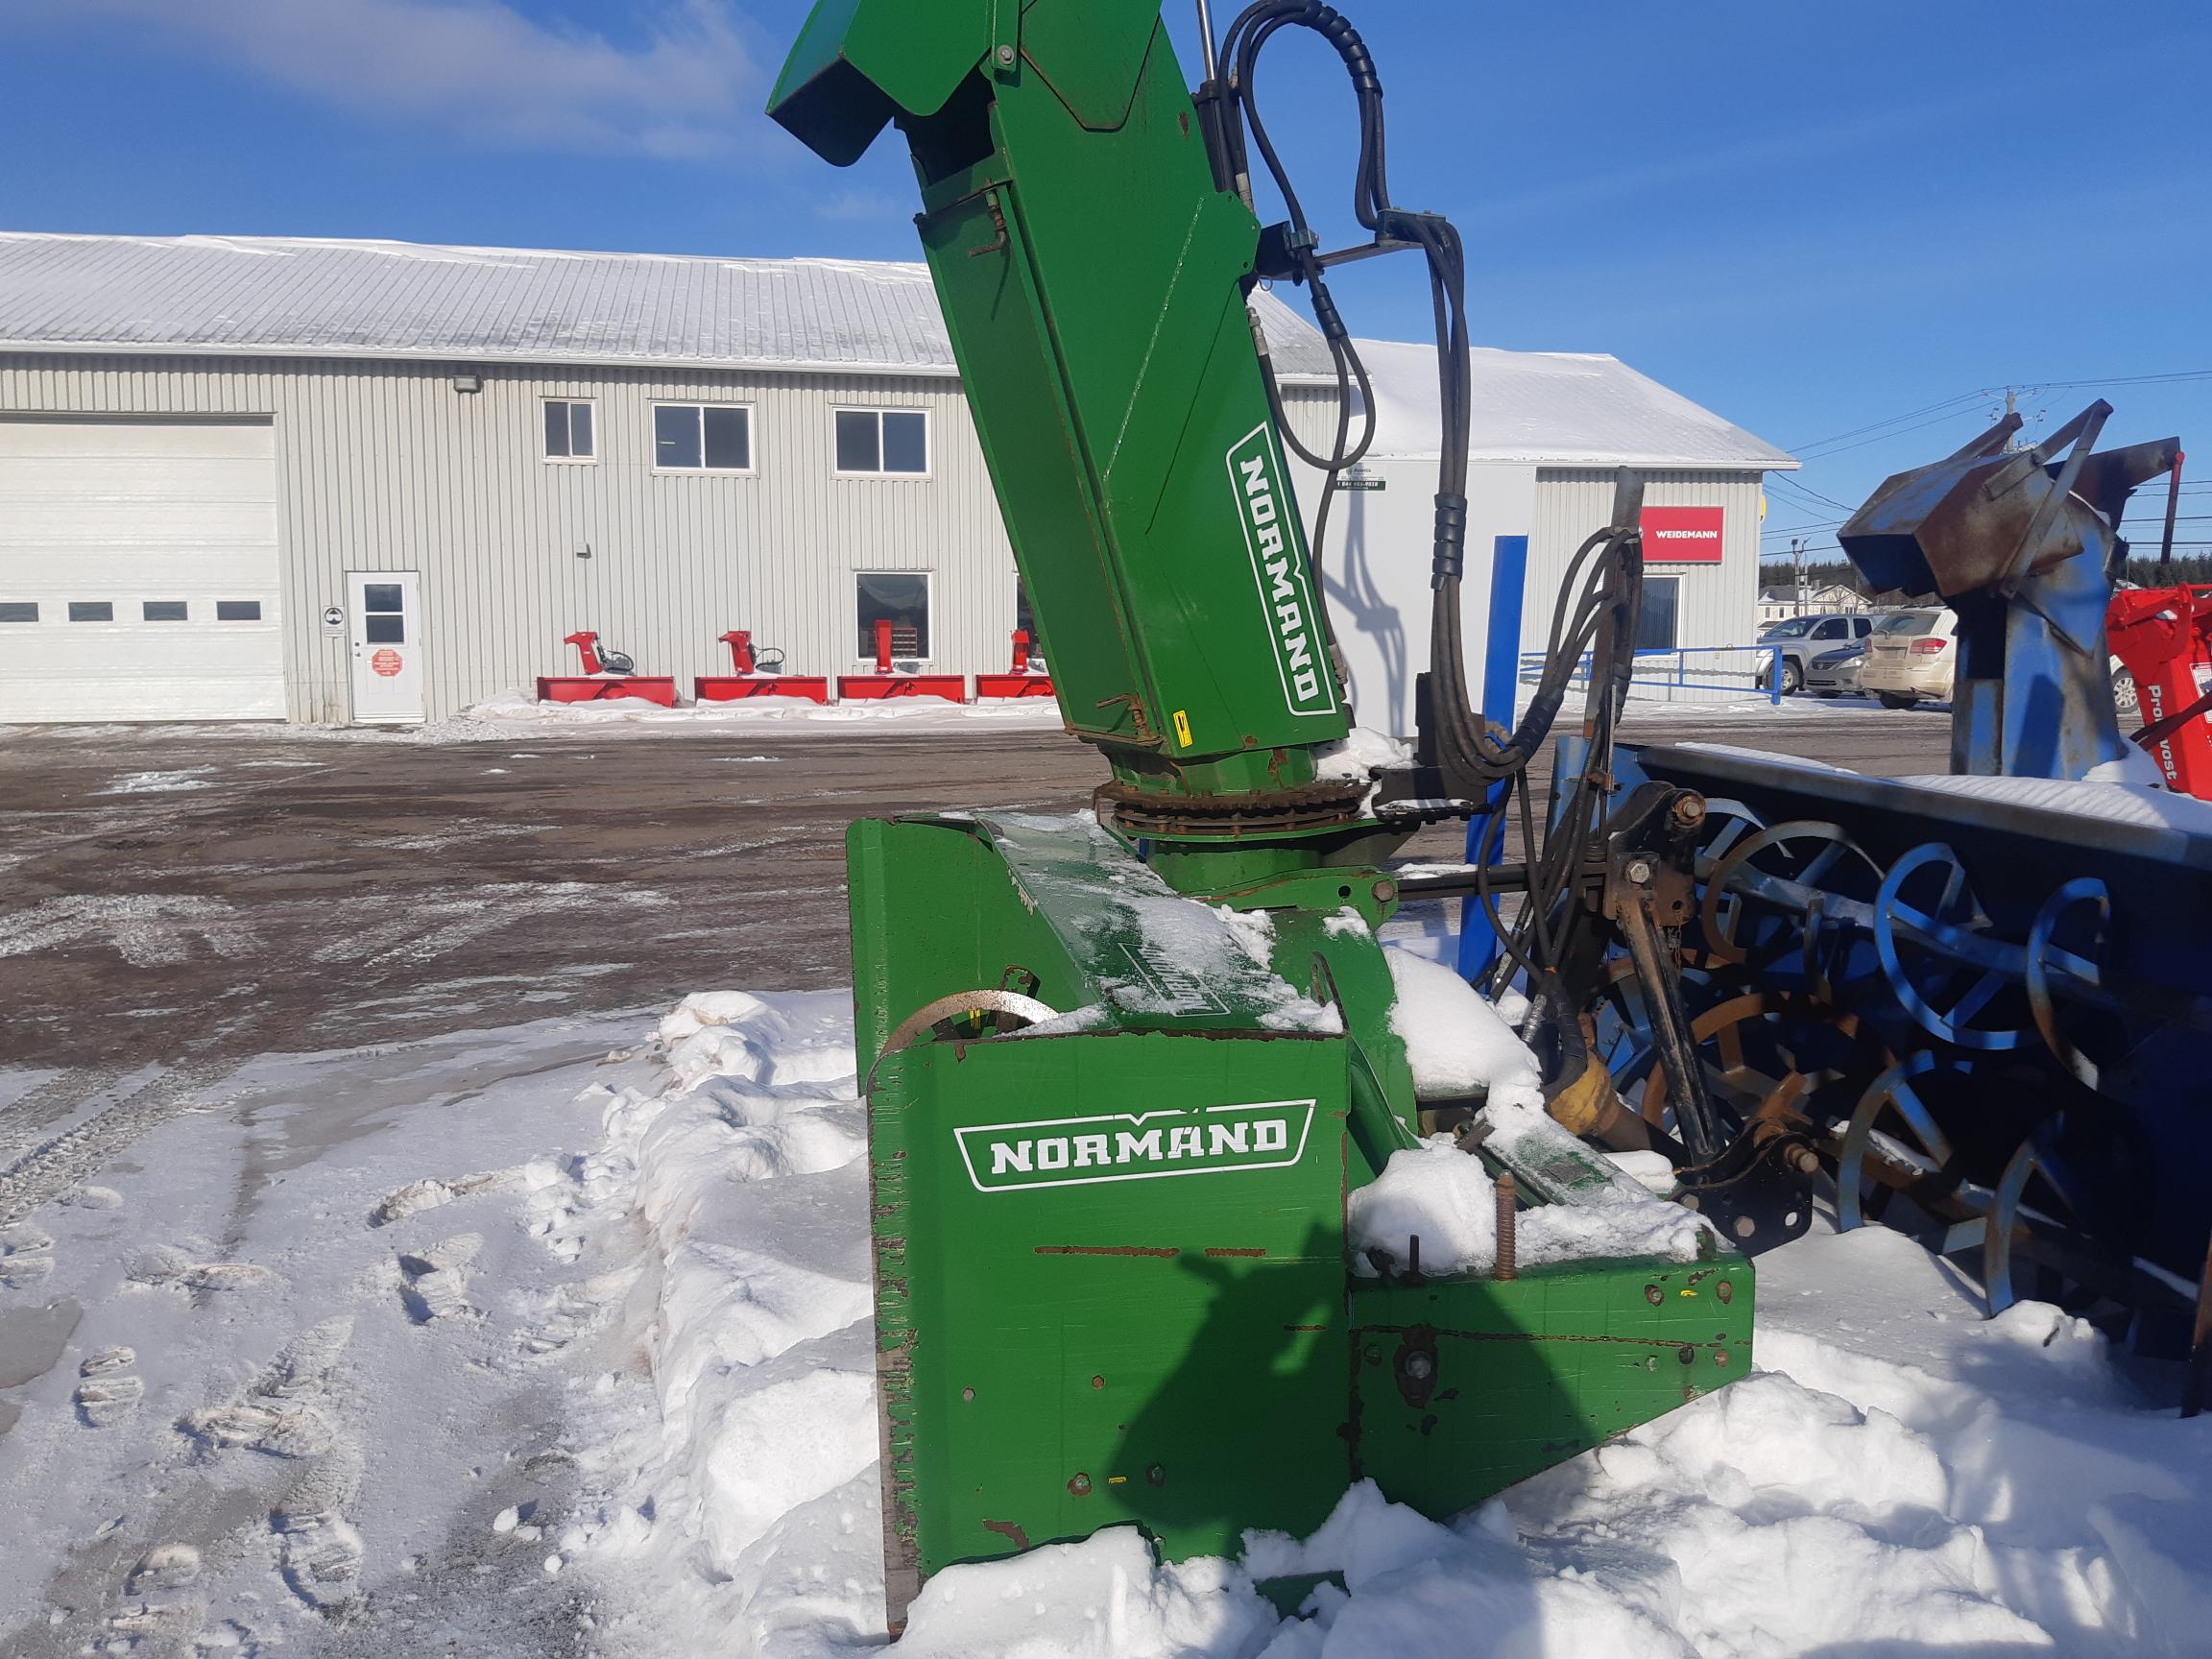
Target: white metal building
249 478
1548 432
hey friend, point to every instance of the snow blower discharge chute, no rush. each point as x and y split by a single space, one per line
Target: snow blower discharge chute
1139 1082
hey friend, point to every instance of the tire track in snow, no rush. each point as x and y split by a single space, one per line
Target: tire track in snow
51 1168
59 1097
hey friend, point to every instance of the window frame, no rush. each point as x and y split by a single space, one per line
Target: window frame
571 460
867 658
260 610
751 468
880 410
1674 617
35 620
185 605
73 606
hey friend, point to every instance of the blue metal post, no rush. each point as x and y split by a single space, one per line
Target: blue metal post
1500 682
1774 679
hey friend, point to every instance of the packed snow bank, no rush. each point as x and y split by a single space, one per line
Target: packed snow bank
518 707
1896 1477
1457 1042
1446 1198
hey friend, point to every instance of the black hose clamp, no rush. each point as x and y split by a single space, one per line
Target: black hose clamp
1449 561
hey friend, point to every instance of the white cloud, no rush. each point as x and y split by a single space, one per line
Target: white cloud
688 85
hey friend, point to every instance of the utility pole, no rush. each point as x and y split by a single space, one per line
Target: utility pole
1797 563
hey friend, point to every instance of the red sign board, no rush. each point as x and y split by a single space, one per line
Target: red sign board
385 663
1682 535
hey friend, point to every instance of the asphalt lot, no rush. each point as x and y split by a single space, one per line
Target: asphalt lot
177 900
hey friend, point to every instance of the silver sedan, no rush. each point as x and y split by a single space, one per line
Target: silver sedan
1834 673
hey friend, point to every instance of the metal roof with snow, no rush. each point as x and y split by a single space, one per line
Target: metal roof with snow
1554 409
284 296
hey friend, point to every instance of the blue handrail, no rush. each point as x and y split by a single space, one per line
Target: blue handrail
1745 679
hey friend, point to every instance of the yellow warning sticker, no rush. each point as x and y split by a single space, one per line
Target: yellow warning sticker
1182 727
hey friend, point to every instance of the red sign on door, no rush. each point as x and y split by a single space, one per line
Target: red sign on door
385 663
1682 535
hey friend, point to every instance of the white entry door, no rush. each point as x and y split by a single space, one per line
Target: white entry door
384 611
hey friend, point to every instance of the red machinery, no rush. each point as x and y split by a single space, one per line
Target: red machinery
757 674
885 682
2164 637
1022 679
605 675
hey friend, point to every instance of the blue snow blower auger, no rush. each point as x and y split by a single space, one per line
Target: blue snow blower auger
1980 1004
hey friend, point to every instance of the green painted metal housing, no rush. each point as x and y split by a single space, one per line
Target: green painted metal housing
1091 280
1111 1248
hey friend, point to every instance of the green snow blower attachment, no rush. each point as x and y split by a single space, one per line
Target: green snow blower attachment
1122 1072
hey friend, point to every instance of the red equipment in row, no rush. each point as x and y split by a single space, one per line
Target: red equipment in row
886 681
2164 637
757 674
1025 679
606 674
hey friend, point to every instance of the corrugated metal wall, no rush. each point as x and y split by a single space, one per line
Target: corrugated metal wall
383 465
1717 604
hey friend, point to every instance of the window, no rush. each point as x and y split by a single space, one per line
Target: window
702 438
883 442
1655 624
569 430
902 600
18 610
1907 622
1793 629
92 611
163 610
1832 629
1860 627
237 610
383 613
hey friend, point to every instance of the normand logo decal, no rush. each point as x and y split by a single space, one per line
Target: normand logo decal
1135 1147
1279 567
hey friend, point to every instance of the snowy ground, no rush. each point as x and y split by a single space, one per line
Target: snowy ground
556 1339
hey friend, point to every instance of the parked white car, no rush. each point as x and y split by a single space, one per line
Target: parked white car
1912 655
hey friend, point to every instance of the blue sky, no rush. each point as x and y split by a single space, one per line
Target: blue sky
1812 219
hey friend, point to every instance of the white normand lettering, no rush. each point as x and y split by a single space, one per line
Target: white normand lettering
1280 567
1077 1151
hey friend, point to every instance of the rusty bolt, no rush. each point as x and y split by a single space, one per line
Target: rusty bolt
1720 1356
1725 1290
1156 1476
1655 1295
1690 808
1097 1381
1687 1355
1420 1367
1509 1211
1385 891
1080 1484
1639 870
966 1393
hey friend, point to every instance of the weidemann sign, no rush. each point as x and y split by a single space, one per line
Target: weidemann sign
1681 535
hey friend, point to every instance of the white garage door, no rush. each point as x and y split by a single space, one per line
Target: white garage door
139 571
